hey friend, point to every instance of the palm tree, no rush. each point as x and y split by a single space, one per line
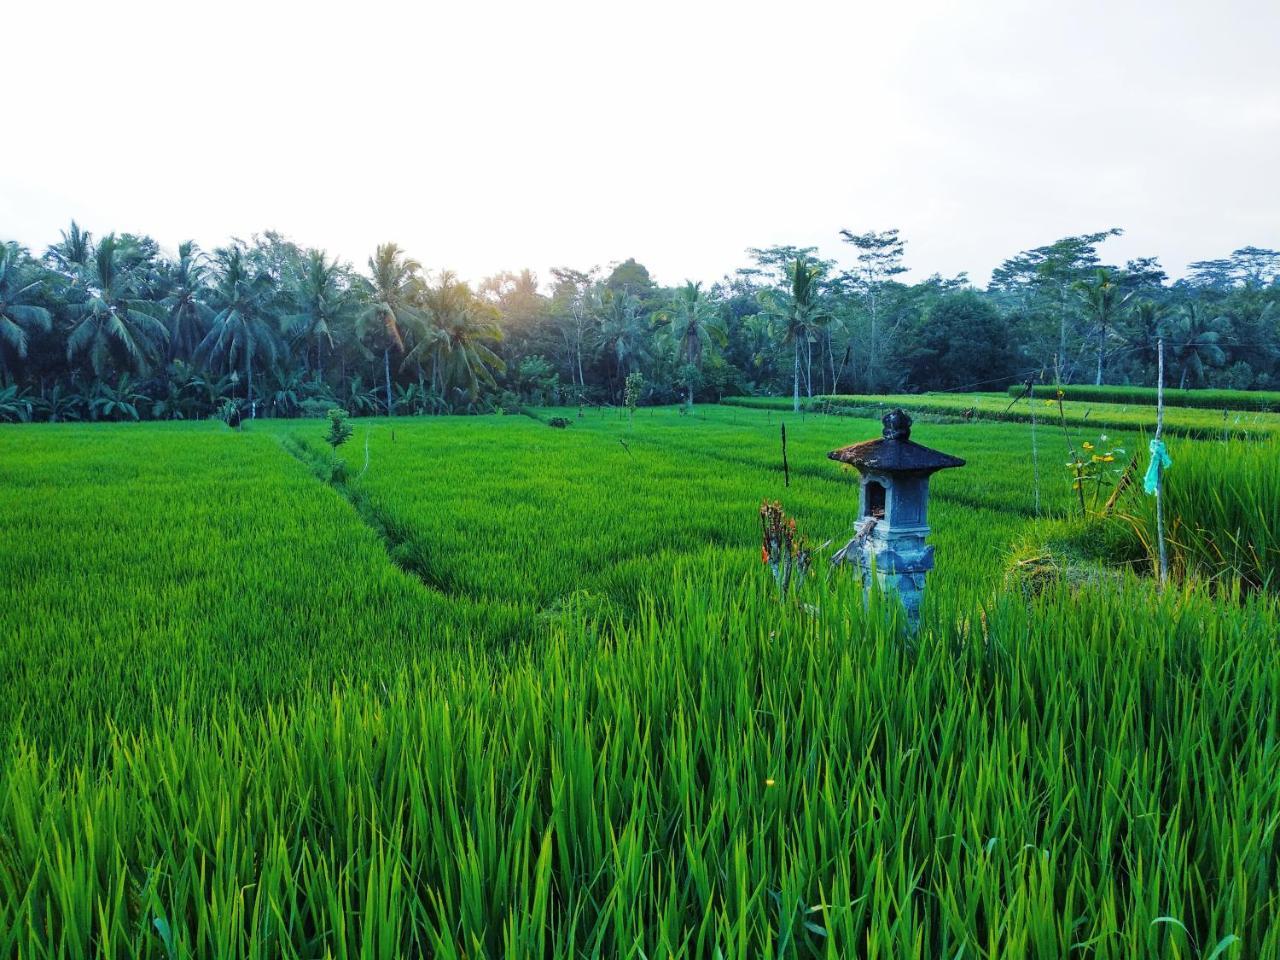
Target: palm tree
323 304
392 308
115 324
240 328
187 313
1194 342
800 311
461 325
1104 299
695 324
1146 327
19 289
73 253
623 331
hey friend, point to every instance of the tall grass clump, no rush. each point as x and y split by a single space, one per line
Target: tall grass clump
1222 513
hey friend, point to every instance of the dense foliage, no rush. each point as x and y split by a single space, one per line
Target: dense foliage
116 329
529 692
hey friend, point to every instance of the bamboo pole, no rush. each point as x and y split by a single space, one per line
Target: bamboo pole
1164 558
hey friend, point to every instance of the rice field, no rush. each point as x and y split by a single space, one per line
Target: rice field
513 691
1241 421
1209 399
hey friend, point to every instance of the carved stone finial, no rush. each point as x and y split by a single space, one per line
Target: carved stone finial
897 425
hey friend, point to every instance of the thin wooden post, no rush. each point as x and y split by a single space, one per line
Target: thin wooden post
1035 453
1164 558
786 470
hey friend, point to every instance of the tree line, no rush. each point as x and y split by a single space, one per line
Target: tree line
114 328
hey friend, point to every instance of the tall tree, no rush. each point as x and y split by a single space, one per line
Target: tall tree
631 278
463 327
1249 267
960 339
321 304
392 309
115 326
20 309
241 328
695 326
73 254
879 262
1104 299
624 331
1041 282
1195 342
1145 328
574 309
799 312
186 313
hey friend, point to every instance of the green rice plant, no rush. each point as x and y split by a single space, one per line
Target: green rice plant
1222 513
1268 400
1092 415
702 779
143 560
524 692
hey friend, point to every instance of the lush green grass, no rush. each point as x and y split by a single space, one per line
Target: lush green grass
141 561
1234 400
516 691
1180 421
1222 504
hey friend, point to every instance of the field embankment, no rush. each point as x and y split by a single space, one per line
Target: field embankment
1191 422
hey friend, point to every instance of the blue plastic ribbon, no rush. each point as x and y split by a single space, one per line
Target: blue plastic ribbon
1159 463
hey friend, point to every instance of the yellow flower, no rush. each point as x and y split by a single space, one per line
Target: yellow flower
768 782
1088 445
1108 459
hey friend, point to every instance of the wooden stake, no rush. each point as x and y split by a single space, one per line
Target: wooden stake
1164 558
786 470
1035 453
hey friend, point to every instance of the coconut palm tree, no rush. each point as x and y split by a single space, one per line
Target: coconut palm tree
323 304
461 327
73 254
186 312
623 331
799 311
694 325
240 329
1104 299
1194 342
392 309
20 286
115 326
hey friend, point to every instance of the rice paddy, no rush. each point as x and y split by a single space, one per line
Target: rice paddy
1234 422
513 691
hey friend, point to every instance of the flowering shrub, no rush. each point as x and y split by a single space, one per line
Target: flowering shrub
1095 468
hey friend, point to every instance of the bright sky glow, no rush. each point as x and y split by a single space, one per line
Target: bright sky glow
484 136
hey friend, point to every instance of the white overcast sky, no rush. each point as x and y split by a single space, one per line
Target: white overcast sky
484 136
